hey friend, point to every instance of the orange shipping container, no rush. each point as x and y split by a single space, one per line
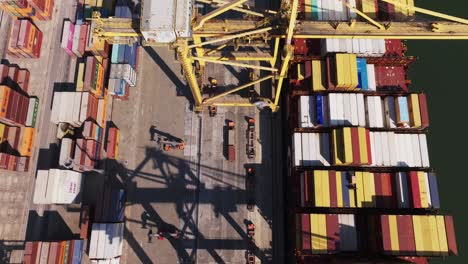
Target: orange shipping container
27 142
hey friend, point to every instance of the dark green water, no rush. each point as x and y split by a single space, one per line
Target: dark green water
442 72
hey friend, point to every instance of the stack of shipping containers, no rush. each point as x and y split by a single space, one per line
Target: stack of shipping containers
34 9
359 158
25 40
67 251
17 119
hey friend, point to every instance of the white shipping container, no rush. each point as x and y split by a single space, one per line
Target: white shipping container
297 139
378 112
40 189
55 113
44 255
393 149
361 110
306 111
370 111
402 190
378 149
385 148
390 111
424 150
333 108
84 106
416 150
347 109
65 151
340 109
373 149
306 157
312 148
408 150
65 33
31 106
324 154
76 40
371 77
52 186
69 186
354 110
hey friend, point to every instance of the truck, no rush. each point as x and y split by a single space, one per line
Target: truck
231 150
251 138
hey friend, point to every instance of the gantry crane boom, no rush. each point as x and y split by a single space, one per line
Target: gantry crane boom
210 36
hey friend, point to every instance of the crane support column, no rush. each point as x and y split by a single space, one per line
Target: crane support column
217 12
183 57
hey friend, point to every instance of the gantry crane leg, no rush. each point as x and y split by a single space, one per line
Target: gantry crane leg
183 53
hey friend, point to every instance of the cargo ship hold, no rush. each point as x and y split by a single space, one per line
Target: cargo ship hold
360 185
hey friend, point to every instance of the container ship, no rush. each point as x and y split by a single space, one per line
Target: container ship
359 178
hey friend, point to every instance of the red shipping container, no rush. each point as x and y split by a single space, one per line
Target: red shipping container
305 228
26 164
23 37
36 50
9 108
28 252
83 39
386 241
379 197
423 110
12 163
14 35
23 79
17 138
387 191
84 222
406 234
53 248
413 187
355 146
333 232
13 74
36 253
3 161
300 47
369 153
450 233
13 111
4 69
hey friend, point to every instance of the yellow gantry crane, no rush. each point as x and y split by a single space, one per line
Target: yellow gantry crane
269 29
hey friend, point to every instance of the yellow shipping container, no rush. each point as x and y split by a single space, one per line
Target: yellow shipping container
368 8
394 243
434 236
5 98
318 230
26 146
79 78
317 82
325 188
423 192
339 189
441 234
2 131
360 193
117 144
300 71
340 70
369 189
415 112
363 145
426 233
336 141
348 146
353 71
318 188
418 234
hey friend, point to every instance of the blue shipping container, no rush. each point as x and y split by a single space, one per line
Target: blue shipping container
403 109
115 54
434 190
363 82
319 109
121 57
77 251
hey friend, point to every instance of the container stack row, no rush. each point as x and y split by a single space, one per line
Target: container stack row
79 154
106 242
331 10
362 189
112 143
25 39
110 207
75 108
17 119
345 72
353 146
75 38
38 252
358 109
34 9
358 145
56 186
123 75
395 235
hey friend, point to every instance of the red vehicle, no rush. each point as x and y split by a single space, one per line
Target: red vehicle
231 155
